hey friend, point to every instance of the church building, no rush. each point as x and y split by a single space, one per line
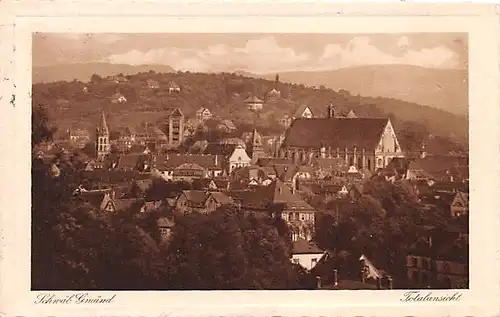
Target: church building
255 148
366 143
103 146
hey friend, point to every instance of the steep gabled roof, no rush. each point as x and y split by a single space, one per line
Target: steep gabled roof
195 198
221 198
302 246
364 133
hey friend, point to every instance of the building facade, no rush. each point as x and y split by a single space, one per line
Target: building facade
103 146
366 143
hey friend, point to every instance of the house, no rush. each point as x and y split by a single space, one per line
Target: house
438 168
306 253
366 143
274 94
79 137
111 204
460 205
119 79
227 126
118 98
203 114
152 84
204 166
438 263
277 200
188 172
165 225
239 158
254 103
200 201
173 87
302 111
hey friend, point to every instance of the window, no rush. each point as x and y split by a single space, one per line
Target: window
415 262
380 162
446 267
303 217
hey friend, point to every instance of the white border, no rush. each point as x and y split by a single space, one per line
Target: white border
480 22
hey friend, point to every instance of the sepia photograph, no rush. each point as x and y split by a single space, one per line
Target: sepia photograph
249 161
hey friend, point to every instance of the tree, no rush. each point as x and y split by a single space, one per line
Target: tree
229 249
41 130
95 79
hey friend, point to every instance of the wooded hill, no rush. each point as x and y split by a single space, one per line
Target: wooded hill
70 105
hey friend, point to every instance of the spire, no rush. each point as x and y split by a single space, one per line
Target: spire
103 126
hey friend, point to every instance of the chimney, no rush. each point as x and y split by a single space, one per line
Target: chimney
318 282
389 280
335 277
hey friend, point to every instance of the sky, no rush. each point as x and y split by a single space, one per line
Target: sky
256 53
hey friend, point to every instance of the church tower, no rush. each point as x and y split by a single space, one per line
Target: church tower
256 149
102 139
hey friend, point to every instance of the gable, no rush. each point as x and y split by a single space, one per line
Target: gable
388 140
109 206
239 155
307 112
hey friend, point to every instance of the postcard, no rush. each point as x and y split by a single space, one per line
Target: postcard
249 159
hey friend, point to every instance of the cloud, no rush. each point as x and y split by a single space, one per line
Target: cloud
359 51
259 55
265 55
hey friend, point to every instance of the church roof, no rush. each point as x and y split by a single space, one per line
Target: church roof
364 133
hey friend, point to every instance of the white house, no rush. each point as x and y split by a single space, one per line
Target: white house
203 114
306 254
173 87
254 103
239 158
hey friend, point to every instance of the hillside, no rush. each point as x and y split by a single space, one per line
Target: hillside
83 71
70 105
444 89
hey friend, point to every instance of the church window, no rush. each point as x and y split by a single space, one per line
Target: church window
369 164
360 162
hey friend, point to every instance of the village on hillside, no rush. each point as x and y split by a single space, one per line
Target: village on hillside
363 205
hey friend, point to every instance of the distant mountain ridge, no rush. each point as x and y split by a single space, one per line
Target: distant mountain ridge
444 89
83 71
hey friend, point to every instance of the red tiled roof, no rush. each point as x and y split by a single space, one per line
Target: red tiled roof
364 133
